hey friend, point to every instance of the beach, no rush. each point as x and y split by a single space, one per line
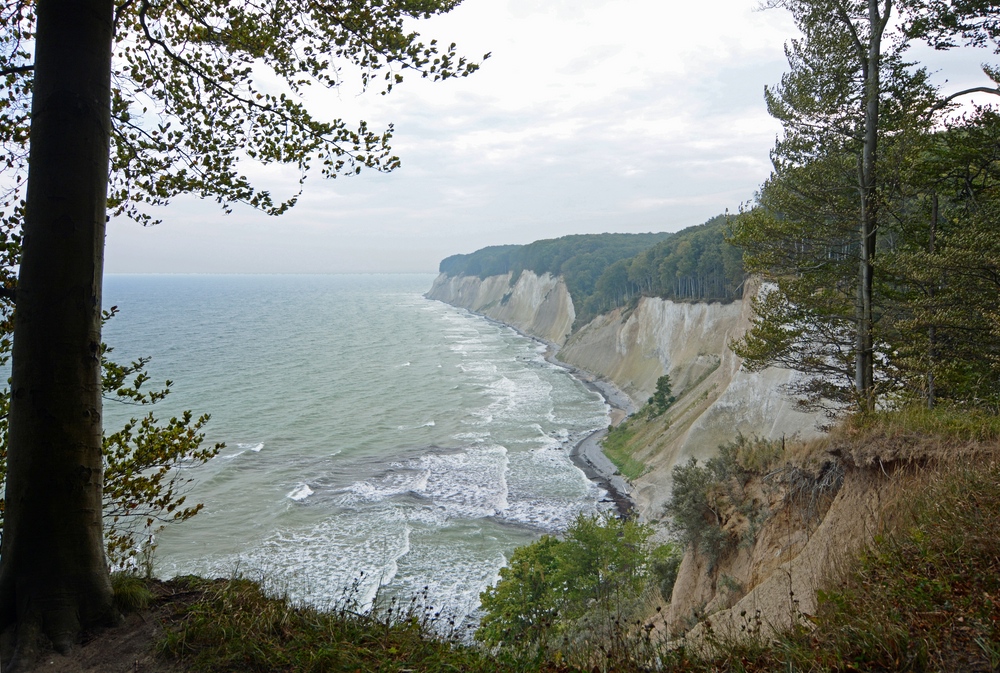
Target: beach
587 454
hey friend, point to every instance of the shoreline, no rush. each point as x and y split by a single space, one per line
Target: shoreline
586 454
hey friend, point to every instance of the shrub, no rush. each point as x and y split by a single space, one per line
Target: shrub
665 561
703 498
598 570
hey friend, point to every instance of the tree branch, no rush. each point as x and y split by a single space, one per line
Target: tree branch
17 70
855 38
975 89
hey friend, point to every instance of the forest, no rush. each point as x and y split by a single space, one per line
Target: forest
605 271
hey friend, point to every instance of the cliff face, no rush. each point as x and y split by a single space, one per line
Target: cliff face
633 348
536 305
715 398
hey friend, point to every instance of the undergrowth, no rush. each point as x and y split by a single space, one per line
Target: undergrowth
233 626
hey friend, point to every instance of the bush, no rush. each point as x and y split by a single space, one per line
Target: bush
665 561
703 498
598 570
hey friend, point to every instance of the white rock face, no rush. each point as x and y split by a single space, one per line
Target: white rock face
536 305
716 398
632 349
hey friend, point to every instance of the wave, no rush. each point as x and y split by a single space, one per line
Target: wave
300 493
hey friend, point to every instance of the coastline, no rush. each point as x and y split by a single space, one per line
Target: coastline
587 454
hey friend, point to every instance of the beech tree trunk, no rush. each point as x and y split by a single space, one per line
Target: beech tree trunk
53 574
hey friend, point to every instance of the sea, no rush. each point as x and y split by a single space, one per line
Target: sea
379 445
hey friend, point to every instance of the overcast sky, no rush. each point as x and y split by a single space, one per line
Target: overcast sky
590 116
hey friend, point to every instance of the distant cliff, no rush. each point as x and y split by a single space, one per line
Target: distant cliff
536 305
632 348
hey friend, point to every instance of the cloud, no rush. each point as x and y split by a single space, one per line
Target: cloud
591 115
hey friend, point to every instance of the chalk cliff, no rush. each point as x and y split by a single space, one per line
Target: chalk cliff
715 398
536 305
631 348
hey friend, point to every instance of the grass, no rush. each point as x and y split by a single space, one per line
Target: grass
233 626
946 422
616 448
130 591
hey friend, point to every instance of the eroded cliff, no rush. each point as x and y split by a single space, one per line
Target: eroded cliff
716 399
536 305
632 348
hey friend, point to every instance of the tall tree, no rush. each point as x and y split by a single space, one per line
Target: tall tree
856 173
53 576
166 89
842 77
849 91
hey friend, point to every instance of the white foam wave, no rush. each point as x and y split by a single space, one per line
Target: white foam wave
471 484
300 493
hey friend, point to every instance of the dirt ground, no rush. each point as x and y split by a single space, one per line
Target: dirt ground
126 648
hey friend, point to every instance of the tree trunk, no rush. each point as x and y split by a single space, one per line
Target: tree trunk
865 369
931 331
53 574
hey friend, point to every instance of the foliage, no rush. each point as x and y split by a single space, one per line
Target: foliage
665 562
144 483
941 22
918 321
951 422
605 271
131 592
696 263
200 87
943 322
853 112
581 259
523 605
704 498
232 626
596 571
661 399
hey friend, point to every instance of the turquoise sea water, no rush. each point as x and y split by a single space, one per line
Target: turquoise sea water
372 435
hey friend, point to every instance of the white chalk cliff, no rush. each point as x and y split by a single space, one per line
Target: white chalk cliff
633 348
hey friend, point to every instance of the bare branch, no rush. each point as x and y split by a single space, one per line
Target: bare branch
17 70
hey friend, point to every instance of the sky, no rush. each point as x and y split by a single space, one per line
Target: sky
590 116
